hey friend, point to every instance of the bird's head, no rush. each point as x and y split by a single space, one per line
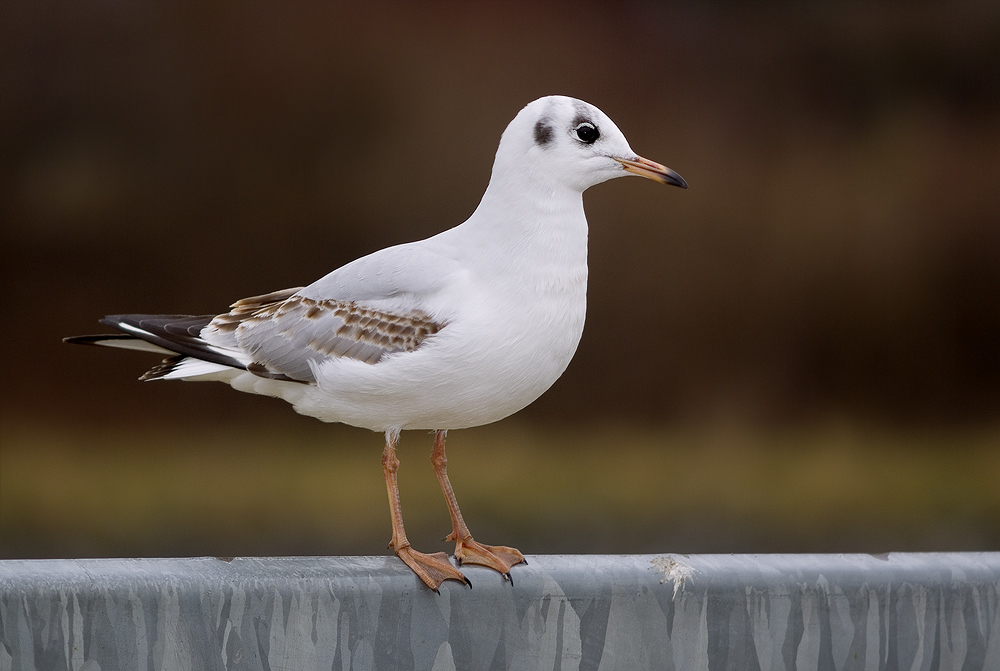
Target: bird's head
570 142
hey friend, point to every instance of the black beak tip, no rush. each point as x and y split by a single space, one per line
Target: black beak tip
676 180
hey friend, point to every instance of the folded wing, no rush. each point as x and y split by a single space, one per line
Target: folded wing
281 335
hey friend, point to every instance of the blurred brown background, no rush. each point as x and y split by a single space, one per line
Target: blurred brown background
800 353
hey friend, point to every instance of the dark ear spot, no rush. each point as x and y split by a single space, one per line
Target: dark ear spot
543 132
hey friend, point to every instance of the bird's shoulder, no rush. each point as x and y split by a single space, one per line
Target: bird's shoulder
412 269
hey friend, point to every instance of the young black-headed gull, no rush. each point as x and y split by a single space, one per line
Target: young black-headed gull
461 329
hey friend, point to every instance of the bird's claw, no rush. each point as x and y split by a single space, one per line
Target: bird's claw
432 569
500 558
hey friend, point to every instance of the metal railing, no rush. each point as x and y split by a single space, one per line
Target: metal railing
663 612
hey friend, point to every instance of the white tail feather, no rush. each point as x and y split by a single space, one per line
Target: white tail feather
188 368
139 345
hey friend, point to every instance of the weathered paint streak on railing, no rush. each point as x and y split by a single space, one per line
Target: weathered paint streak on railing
663 612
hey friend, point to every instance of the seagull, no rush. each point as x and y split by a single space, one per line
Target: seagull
458 330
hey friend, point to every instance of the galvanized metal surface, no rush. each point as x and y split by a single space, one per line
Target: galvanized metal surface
663 612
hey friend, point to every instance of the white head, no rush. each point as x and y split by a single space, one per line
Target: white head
564 141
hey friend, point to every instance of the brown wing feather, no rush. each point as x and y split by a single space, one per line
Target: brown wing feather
287 334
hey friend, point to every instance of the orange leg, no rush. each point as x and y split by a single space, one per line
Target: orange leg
497 557
433 569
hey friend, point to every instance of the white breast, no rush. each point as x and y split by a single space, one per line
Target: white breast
513 324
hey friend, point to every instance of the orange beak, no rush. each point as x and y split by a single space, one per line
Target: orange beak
651 170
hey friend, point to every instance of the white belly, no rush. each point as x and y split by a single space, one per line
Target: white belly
489 362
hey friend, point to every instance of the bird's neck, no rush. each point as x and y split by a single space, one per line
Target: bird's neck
533 238
536 215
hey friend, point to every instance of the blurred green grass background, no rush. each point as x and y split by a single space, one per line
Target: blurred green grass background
576 489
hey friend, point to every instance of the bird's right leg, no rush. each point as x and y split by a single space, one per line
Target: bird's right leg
433 569
500 558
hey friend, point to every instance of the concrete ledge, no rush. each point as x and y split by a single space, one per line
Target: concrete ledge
897 611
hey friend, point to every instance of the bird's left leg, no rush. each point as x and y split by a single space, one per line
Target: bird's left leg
432 569
468 551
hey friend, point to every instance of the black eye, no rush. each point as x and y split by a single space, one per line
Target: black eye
587 132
